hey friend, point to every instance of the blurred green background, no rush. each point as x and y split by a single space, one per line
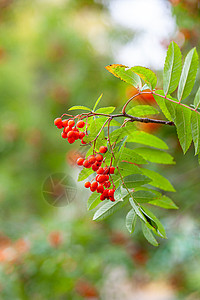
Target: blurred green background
52 56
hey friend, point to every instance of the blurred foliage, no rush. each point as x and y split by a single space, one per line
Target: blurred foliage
52 56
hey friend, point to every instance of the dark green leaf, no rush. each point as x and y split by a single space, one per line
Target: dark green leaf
128 169
128 155
108 209
135 180
164 202
144 196
161 102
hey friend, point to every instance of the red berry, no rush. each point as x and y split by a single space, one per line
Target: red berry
111 192
92 189
82 142
67 129
92 159
99 157
105 193
58 123
64 135
106 170
94 168
70 134
80 161
81 135
100 189
102 197
80 124
112 199
101 178
71 123
107 184
86 164
76 135
100 171
71 140
94 185
65 123
103 149
112 170
87 184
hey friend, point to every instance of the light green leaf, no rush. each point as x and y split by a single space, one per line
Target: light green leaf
94 129
148 139
164 202
108 209
154 155
188 74
80 107
135 180
161 102
142 110
172 68
84 174
131 219
93 201
105 110
147 75
149 235
137 209
181 116
195 127
125 74
158 180
97 102
197 99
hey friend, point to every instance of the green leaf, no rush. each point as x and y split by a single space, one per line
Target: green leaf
131 219
108 209
148 139
131 156
97 102
119 134
161 102
158 180
197 99
105 110
195 127
159 230
181 116
80 107
142 110
172 68
126 75
93 201
149 235
164 202
94 129
144 196
147 75
188 74
135 180
154 155
128 169
101 120
85 173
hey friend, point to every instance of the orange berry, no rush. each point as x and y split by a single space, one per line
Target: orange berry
80 161
80 124
87 184
58 123
99 157
71 123
103 149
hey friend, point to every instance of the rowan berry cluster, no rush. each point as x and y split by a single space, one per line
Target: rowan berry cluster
101 183
71 130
